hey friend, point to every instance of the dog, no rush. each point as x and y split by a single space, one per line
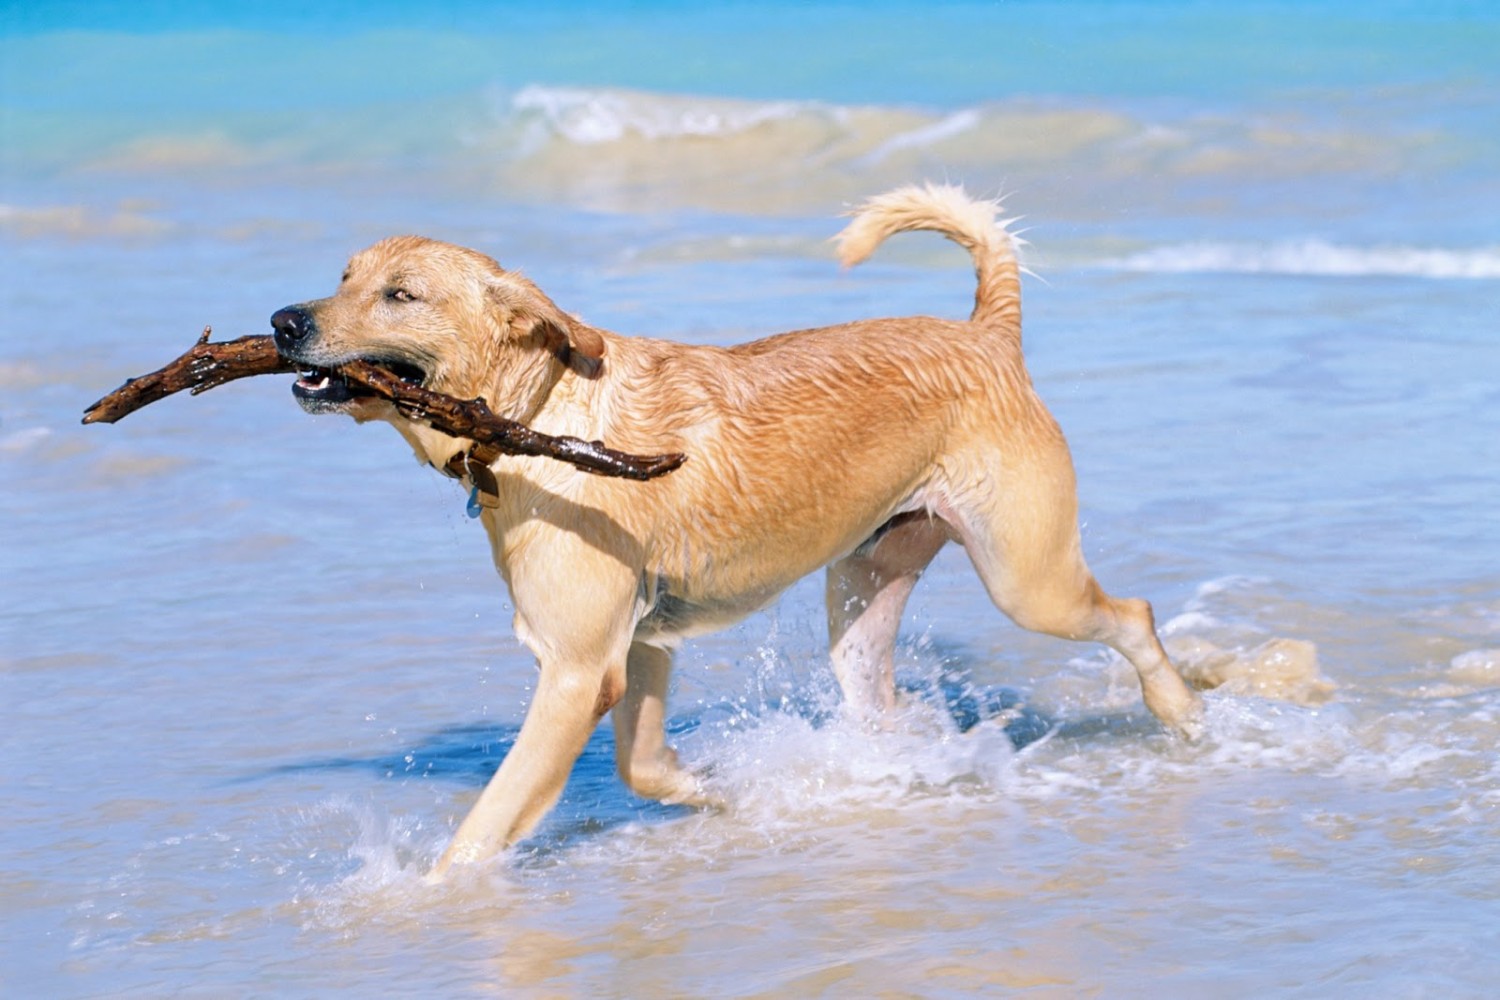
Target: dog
863 448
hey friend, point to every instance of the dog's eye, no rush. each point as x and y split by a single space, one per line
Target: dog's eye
400 295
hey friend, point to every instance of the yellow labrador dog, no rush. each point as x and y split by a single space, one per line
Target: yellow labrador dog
863 448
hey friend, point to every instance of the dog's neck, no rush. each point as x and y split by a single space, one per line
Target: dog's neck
471 461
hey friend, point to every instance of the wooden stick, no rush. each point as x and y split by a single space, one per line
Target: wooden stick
200 368
206 365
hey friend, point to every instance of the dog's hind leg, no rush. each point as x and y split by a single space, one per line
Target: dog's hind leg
1022 537
646 763
866 593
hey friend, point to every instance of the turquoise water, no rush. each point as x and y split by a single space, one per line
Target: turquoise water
254 666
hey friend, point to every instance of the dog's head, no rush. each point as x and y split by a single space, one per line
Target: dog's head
438 315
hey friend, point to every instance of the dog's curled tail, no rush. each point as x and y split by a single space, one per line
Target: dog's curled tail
972 224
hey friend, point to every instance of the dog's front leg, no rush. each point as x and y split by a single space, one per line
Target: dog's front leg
646 763
579 626
530 779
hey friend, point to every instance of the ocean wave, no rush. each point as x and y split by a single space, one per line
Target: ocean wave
624 150
1313 257
628 150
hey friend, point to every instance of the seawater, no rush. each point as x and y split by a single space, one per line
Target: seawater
254 666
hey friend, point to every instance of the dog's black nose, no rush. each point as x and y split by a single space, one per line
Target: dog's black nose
293 325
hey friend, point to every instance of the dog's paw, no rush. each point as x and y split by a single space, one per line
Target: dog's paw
695 793
1188 723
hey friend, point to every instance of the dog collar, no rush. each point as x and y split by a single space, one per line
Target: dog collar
474 465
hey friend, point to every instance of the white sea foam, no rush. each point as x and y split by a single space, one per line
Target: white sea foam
784 764
1253 732
1314 257
593 117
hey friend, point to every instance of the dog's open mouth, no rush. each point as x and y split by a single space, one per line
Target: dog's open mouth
323 389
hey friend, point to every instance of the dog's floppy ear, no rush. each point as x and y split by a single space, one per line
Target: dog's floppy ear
575 344
578 346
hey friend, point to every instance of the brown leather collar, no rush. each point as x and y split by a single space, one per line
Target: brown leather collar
474 465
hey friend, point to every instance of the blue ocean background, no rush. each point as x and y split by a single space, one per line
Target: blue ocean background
254 666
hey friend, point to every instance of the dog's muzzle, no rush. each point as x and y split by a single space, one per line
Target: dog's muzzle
318 391
322 389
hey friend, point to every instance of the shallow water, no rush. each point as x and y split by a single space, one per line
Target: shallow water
254 666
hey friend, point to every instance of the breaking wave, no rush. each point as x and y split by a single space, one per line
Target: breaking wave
1315 258
617 149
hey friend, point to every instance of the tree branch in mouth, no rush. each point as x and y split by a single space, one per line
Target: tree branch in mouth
209 364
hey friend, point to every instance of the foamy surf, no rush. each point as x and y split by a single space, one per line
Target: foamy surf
1313 257
596 117
791 769
946 815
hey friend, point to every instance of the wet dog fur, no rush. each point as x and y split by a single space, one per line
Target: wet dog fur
862 448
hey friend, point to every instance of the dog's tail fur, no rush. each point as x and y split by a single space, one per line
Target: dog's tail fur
973 225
